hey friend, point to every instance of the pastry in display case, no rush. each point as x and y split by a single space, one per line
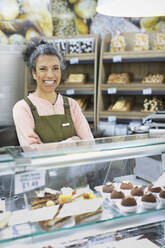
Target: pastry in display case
121 78
76 189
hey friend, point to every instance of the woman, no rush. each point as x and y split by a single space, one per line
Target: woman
46 116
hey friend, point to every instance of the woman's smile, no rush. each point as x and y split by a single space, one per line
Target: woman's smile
49 83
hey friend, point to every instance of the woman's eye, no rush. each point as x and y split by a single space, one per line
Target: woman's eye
56 68
42 69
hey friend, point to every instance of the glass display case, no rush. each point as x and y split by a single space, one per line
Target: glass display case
81 194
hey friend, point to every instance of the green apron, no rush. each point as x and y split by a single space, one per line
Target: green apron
53 128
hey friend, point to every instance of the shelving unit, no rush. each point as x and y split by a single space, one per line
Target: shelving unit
138 65
77 63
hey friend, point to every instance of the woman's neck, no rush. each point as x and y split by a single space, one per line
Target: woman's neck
50 97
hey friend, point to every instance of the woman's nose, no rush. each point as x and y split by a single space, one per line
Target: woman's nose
50 73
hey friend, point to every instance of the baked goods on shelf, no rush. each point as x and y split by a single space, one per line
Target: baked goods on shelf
159 43
148 200
141 42
117 194
54 223
152 104
82 101
121 78
46 200
78 78
120 105
118 43
79 218
137 191
126 185
128 204
154 189
72 206
154 78
128 201
108 188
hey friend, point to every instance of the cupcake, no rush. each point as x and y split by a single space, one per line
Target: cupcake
162 196
154 189
128 204
116 195
108 188
137 191
148 201
126 185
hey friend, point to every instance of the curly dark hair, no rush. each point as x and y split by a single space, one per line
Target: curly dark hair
40 46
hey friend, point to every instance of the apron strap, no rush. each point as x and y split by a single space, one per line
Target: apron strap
31 105
66 105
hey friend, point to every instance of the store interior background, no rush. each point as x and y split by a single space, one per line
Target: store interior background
60 18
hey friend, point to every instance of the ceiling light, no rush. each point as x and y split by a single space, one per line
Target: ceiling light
131 8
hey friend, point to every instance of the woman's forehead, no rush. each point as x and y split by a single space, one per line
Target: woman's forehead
44 59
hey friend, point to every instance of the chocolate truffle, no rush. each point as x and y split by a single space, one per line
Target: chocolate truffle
128 201
117 194
137 191
148 197
154 189
108 188
126 185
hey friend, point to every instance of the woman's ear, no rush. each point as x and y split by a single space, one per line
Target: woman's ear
34 74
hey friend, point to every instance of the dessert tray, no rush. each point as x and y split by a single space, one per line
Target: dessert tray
50 210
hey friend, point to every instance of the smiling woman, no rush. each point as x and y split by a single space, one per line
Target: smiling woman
46 116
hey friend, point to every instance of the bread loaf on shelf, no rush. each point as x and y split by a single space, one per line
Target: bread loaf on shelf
121 78
75 78
152 104
120 105
154 78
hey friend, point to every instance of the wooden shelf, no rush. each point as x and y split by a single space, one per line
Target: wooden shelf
135 115
131 56
134 88
137 65
82 57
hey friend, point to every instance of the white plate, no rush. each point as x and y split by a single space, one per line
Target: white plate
131 209
149 205
162 200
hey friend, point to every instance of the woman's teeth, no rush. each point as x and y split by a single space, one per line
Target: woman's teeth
49 82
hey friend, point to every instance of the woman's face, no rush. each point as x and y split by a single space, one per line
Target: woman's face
48 73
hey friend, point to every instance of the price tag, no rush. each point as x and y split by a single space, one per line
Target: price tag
147 91
111 90
74 61
112 118
29 181
117 58
70 92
